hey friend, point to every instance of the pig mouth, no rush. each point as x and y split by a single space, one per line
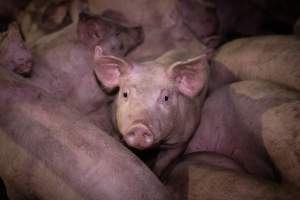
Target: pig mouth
139 137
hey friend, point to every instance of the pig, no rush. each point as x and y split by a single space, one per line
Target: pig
201 18
215 22
163 25
239 120
155 97
148 113
214 176
65 68
14 55
49 151
41 18
273 58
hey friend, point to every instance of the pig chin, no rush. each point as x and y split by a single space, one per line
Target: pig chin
139 137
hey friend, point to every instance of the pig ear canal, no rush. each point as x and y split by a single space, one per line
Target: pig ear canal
190 76
109 69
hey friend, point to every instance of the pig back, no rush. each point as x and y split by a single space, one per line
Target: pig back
49 152
271 58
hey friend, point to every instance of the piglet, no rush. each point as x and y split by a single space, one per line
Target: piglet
159 102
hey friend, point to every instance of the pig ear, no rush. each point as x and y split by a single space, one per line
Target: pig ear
89 28
109 68
13 31
191 76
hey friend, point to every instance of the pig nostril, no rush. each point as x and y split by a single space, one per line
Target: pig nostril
139 137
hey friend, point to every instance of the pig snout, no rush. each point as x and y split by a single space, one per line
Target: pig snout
139 137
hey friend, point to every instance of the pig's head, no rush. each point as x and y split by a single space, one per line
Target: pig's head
158 102
13 53
55 17
114 37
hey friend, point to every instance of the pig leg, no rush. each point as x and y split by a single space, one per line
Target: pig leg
281 136
213 176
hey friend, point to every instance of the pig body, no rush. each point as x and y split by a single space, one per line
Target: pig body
65 68
232 125
162 23
214 176
272 58
49 151
14 55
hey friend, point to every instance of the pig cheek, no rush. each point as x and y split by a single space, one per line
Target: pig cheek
122 116
167 120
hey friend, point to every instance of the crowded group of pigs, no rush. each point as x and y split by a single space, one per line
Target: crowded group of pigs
150 100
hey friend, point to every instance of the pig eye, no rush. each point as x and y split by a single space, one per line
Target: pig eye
125 94
166 98
97 35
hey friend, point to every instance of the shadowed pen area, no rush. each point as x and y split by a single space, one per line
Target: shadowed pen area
150 100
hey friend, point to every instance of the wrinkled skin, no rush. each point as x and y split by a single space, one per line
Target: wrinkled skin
63 156
213 176
244 126
154 97
14 55
65 68
232 124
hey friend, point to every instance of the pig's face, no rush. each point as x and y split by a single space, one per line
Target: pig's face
156 103
14 55
110 35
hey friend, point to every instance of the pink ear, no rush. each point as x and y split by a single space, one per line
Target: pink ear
109 68
191 76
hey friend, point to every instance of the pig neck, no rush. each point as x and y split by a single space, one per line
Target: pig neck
66 71
188 118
